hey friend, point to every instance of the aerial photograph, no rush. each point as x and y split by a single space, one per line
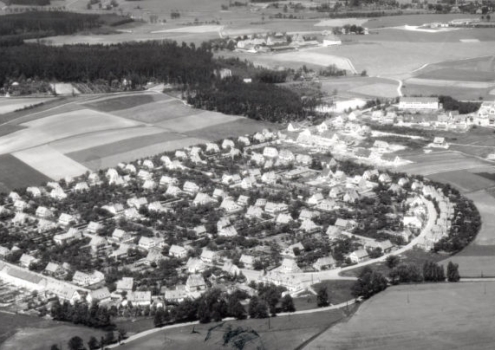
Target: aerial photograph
247 174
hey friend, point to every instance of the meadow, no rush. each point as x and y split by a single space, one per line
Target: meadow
424 316
17 174
8 105
277 333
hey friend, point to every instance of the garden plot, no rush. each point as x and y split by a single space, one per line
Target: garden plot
49 129
50 162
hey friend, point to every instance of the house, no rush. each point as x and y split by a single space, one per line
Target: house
384 178
351 196
331 40
243 200
248 261
138 298
120 236
419 103
175 296
244 140
125 284
98 246
148 164
269 177
309 226
212 148
306 214
93 179
45 225
81 187
131 214
230 206
44 213
26 260
84 279
35 192
381 144
230 268
326 263
122 251
275 208
226 144
345 224
270 152
181 155
54 270
247 183
283 219
358 256
333 232
195 265
412 221
304 159
290 250
173 191
336 192
403 181
223 222
200 230
254 212
259 137
257 158
65 219
289 266
286 156
58 193
228 231
20 205
20 219
167 180
69 236
149 185
100 295
147 243
190 187
111 175
154 256
114 208
208 256
4 252
195 283
315 199
177 251
203 199
219 193
144 175
130 168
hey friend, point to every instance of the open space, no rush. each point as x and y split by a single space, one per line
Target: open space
199 121
157 112
50 162
10 104
16 174
278 333
425 316
124 102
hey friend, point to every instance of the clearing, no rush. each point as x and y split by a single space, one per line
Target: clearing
50 162
425 316
17 174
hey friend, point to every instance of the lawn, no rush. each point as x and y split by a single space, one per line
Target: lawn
16 174
425 316
282 333
124 102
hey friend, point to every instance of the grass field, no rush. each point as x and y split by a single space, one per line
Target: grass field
8 105
395 21
426 316
157 112
465 180
278 333
456 92
198 121
234 128
125 102
50 162
45 335
339 291
122 146
17 174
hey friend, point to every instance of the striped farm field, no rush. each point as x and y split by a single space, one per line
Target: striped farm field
125 102
16 174
197 121
157 112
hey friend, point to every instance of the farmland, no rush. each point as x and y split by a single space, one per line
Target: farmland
16 174
8 105
277 333
425 316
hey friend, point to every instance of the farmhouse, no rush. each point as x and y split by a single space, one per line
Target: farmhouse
324 263
195 285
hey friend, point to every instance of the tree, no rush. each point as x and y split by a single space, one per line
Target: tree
93 343
322 297
262 309
253 304
235 308
453 272
76 343
122 334
369 283
109 337
158 320
54 347
392 261
288 304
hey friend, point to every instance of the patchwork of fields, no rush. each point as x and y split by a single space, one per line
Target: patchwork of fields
424 316
93 133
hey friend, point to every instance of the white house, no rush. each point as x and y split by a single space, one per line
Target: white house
419 103
177 251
